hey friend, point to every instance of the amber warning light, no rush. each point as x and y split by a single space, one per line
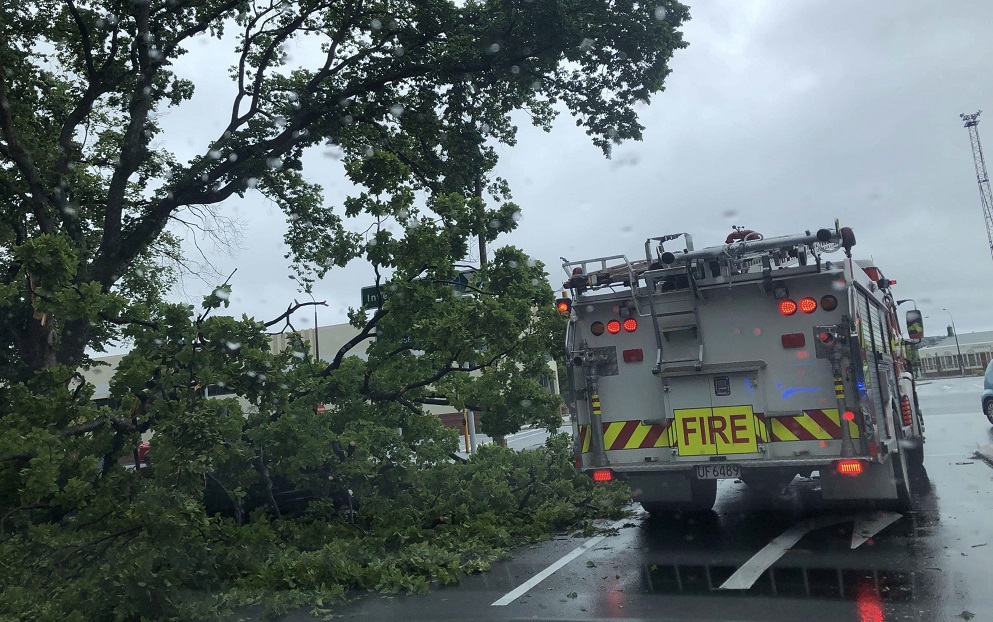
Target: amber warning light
564 305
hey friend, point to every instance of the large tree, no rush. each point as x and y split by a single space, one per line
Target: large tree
414 94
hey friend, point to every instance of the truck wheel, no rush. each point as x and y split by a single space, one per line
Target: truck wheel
988 409
703 495
901 477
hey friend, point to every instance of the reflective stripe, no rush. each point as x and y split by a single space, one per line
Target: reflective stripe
811 425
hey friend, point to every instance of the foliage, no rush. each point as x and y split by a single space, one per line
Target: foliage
414 98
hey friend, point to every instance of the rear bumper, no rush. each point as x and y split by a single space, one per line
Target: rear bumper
751 465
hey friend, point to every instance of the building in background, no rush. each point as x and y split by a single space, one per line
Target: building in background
939 356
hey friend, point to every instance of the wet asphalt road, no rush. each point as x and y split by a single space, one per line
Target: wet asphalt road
934 563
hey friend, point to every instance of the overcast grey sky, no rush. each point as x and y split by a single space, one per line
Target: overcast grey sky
780 116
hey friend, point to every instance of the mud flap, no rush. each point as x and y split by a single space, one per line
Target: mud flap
877 482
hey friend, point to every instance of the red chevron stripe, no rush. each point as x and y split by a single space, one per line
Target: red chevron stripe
625 434
821 419
653 436
798 430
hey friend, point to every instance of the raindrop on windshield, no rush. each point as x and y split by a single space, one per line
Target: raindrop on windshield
369 152
494 224
279 122
334 152
838 285
274 163
484 128
372 242
223 294
376 24
214 154
298 354
494 48
233 345
586 44
396 110
660 13
730 213
251 182
292 96
514 69
69 211
516 216
233 157
154 53
398 50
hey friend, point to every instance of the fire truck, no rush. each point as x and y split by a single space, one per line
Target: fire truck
759 360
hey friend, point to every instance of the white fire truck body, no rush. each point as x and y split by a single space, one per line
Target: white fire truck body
758 359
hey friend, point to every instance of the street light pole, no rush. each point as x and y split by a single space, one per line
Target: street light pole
317 343
958 349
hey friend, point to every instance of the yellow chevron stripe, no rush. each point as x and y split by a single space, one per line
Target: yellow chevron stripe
833 415
586 439
813 427
613 429
639 435
782 432
761 432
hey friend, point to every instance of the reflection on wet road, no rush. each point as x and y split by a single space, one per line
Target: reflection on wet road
933 563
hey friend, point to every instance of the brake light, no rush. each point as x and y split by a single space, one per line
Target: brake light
787 307
851 468
630 324
603 475
794 340
613 327
905 412
829 303
634 356
808 305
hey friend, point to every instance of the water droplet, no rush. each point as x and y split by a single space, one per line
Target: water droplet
279 121
69 211
516 216
233 345
536 85
730 213
233 157
525 403
398 51
513 264
372 242
586 44
157 341
485 128
299 354
838 285
99 23
660 13
154 53
204 177
402 213
251 182
223 294
292 96
627 229
147 91
376 24
494 224
274 163
612 132
301 133
334 152
139 272
396 110
214 154
514 69
347 119
494 48
369 152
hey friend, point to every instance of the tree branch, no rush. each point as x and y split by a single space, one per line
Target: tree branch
290 310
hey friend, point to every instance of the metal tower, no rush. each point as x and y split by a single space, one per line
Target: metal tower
985 194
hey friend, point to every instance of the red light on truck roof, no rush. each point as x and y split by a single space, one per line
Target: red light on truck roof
603 475
808 305
787 307
613 327
851 468
630 324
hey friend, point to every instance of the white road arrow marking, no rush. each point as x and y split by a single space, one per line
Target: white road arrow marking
865 528
868 526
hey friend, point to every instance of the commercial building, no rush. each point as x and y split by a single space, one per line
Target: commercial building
945 356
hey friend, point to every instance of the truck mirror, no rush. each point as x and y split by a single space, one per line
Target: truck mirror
915 326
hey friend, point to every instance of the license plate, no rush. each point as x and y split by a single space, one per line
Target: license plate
718 471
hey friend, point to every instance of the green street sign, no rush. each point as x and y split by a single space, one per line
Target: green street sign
371 298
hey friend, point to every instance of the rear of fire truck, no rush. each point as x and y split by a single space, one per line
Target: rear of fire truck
759 359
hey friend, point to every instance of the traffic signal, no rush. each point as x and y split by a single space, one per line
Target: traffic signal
564 305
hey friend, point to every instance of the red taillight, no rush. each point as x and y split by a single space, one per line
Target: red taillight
905 411
630 324
603 475
808 305
613 327
851 468
794 340
634 356
787 307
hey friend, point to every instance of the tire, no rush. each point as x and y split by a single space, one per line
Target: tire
915 458
901 477
988 409
703 495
